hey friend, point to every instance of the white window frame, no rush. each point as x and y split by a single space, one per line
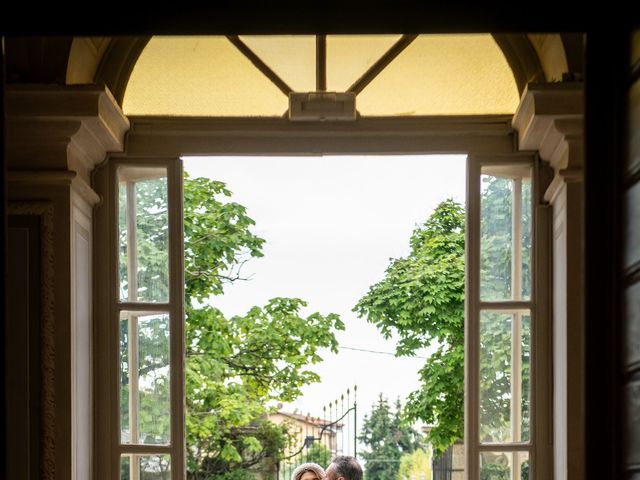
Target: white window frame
174 308
162 141
537 306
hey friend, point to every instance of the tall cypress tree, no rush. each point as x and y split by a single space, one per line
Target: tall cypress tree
387 438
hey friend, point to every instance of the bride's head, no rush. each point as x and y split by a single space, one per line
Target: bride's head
308 471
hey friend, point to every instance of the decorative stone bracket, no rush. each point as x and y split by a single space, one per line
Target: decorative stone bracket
56 128
550 120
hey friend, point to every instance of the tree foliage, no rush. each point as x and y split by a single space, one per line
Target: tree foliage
318 453
236 365
416 465
421 299
387 439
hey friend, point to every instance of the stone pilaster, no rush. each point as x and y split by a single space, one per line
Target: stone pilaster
550 120
55 137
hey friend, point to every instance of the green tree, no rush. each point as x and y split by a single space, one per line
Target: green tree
421 298
416 465
318 453
387 439
234 366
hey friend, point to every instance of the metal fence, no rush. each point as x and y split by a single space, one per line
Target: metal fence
319 439
442 466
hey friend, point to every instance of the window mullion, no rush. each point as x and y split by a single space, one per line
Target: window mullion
516 241
507 307
132 325
144 307
134 470
505 447
176 303
132 247
472 323
516 330
145 449
132 346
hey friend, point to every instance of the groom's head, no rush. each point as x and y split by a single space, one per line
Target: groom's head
344 467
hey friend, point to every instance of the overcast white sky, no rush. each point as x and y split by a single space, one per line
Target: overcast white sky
331 224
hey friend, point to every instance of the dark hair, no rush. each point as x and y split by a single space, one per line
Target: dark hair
347 467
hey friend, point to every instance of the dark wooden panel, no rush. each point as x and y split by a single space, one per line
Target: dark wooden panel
22 348
631 399
635 48
632 226
606 97
631 326
633 162
630 334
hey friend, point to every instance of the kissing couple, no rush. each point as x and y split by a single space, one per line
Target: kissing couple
340 468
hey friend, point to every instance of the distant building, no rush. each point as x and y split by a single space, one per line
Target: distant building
304 428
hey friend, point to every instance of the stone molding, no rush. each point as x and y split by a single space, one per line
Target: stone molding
550 120
62 128
54 177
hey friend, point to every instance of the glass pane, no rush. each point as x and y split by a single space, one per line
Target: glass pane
148 467
526 239
633 125
505 351
125 467
123 242
153 379
144 391
444 75
208 76
525 379
350 56
155 467
495 237
125 381
199 76
504 466
292 57
505 241
143 234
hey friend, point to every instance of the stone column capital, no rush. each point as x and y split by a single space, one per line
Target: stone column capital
550 120
52 127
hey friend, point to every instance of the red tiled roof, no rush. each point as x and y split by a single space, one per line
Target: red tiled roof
310 420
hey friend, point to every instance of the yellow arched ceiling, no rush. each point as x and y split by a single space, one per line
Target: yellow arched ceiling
209 76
